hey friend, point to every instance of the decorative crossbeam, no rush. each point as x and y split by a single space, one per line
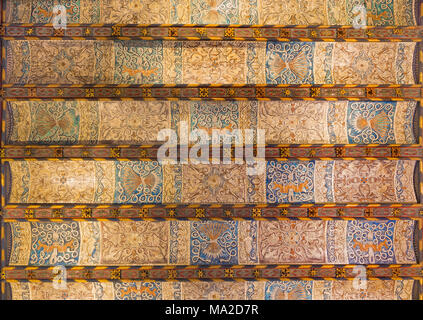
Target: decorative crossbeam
210 273
220 92
212 32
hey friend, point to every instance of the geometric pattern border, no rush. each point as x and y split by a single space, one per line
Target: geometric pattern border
210 273
211 212
213 32
303 152
205 92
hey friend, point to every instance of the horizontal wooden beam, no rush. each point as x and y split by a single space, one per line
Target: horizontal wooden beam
212 32
215 92
210 273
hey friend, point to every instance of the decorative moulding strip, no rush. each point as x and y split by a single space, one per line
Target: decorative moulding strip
213 212
300 152
216 92
212 32
210 273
